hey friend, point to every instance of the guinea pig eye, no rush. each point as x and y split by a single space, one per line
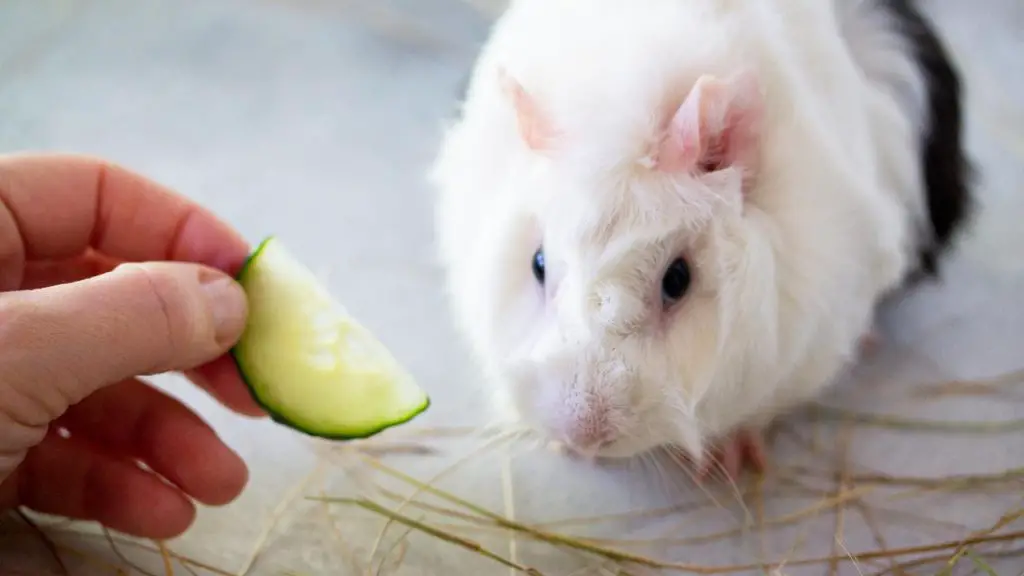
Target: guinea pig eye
538 265
676 281
709 165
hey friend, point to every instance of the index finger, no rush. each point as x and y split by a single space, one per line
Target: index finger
55 206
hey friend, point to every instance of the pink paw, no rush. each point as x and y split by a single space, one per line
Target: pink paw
744 447
869 342
563 449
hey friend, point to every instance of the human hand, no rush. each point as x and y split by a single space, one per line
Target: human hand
77 328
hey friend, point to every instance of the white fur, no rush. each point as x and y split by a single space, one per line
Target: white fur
785 282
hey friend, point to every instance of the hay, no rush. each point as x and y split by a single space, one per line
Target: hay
418 509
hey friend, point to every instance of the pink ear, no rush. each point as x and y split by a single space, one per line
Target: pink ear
715 127
534 127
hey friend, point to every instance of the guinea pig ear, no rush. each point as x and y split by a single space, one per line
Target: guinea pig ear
716 127
535 127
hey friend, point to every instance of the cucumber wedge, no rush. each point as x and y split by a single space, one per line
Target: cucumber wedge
309 363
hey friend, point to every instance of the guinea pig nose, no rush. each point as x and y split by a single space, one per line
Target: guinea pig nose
589 438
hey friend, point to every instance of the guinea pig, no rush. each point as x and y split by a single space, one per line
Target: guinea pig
666 223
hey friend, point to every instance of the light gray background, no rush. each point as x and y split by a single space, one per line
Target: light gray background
315 120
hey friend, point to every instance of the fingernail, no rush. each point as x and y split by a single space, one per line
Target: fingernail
228 307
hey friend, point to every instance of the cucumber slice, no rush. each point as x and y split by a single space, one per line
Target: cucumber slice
309 363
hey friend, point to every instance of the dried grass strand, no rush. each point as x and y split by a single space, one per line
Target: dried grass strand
918 425
440 534
47 542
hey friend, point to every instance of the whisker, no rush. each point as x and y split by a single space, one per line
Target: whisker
521 441
677 459
662 475
748 517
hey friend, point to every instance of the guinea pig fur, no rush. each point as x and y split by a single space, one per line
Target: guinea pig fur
666 221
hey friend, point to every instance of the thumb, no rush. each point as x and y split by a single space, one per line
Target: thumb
137 319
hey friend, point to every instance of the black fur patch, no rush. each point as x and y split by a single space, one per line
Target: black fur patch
947 172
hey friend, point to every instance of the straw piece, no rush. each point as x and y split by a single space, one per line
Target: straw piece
1003 521
275 517
447 470
422 527
980 564
115 542
168 564
934 426
509 499
618 555
45 539
120 555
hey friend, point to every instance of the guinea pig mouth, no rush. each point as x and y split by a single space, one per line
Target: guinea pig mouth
623 449
620 449
592 407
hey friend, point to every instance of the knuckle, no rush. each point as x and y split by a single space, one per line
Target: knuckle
21 321
169 304
12 320
25 406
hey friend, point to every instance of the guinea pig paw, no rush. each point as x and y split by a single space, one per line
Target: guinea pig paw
566 451
869 343
743 448
560 448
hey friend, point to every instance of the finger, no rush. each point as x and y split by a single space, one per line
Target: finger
106 207
137 420
222 380
44 273
72 478
62 343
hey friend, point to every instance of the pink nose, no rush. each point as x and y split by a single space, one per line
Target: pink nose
588 436
588 440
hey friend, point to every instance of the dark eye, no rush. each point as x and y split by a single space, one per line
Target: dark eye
538 265
709 165
676 281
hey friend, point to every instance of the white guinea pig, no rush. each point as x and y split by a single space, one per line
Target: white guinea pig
666 222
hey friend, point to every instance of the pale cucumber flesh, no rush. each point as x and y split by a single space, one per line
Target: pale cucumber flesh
309 363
